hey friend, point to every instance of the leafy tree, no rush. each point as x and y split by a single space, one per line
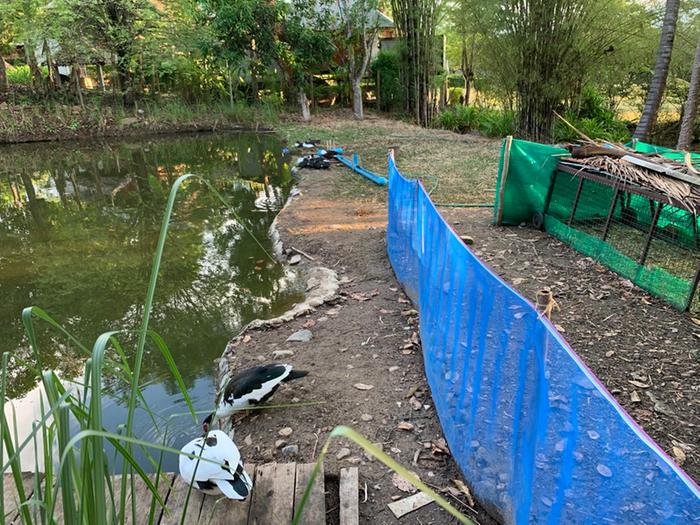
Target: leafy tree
359 27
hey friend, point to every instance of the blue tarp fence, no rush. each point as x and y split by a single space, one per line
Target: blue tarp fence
538 437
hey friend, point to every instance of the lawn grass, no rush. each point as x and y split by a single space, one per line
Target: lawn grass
455 168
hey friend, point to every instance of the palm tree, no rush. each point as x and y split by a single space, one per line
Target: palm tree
690 109
658 81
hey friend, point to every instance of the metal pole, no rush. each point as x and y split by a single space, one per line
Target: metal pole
611 211
576 199
650 235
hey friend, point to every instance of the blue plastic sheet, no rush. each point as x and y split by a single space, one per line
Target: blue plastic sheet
537 436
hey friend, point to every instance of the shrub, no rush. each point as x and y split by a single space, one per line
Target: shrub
391 93
490 122
19 75
593 118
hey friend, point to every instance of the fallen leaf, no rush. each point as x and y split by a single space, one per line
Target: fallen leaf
359 296
638 383
604 470
405 425
309 324
404 301
695 320
679 454
384 311
634 397
401 484
247 338
439 446
415 404
362 386
464 490
410 311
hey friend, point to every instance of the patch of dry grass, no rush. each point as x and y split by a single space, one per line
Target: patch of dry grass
456 168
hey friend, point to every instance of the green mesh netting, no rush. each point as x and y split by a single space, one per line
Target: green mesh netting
665 266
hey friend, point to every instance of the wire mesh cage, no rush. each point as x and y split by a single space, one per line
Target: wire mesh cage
643 235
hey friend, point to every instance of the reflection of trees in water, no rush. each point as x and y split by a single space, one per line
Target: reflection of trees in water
71 246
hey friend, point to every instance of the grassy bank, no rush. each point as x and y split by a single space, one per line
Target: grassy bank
99 118
455 168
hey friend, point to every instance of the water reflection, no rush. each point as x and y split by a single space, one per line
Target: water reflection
78 229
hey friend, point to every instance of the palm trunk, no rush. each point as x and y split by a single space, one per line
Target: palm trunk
4 83
685 137
658 81
304 103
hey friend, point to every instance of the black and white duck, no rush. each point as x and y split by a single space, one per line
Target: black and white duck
226 476
251 387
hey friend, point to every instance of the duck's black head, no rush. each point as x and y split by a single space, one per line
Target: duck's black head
207 422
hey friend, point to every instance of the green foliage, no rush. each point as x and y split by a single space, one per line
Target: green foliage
594 119
488 121
19 76
391 92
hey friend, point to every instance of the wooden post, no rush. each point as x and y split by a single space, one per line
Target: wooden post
101 77
693 287
504 177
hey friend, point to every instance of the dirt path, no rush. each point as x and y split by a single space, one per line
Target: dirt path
365 338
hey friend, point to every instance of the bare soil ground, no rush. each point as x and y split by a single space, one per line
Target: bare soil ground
646 353
362 339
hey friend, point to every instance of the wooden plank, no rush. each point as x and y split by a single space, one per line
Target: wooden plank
140 501
175 505
349 501
273 496
218 510
11 498
409 504
504 177
315 510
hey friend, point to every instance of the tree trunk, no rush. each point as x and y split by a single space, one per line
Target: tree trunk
75 73
658 81
685 137
4 83
304 103
357 109
30 56
101 77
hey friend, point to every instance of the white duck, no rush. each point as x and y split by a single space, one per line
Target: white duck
226 476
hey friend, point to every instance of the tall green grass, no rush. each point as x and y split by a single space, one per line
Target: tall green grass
77 486
488 121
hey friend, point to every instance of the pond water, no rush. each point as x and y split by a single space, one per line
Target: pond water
78 229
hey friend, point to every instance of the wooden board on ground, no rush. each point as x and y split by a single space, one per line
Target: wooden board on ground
315 509
176 503
349 502
273 495
409 504
10 497
143 498
218 510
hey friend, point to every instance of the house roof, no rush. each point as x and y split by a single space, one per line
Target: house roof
383 21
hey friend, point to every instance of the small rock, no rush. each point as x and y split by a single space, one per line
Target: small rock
290 450
280 443
129 121
415 404
278 354
354 460
366 417
302 336
405 425
295 259
285 432
466 239
248 440
393 368
342 454
362 386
